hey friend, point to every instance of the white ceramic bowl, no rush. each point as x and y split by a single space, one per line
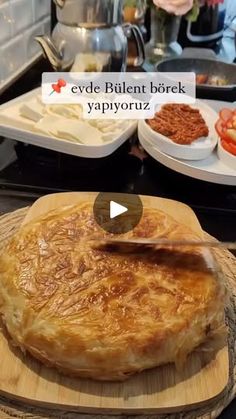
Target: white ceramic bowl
227 158
198 150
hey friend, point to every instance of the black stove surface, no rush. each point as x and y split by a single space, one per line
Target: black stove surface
40 171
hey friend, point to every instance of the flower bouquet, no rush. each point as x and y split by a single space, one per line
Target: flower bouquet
166 23
166 9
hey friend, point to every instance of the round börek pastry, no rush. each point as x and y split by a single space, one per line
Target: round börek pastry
106 314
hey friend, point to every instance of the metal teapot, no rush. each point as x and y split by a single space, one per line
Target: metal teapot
90 36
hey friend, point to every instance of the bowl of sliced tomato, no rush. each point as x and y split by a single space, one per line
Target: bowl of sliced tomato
226 129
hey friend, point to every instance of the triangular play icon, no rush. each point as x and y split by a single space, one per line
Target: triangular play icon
116 209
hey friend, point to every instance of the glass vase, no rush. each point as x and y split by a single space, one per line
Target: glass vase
164 34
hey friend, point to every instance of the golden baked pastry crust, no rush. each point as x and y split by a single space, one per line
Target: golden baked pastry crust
100 314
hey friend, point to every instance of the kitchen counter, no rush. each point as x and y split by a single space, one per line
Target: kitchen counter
127 171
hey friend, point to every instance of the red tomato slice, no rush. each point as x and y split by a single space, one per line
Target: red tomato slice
227 139
226 114
219 126
231 135
229 124
221 130
231 148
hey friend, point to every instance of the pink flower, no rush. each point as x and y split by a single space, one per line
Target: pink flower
181 7
177 7
214 2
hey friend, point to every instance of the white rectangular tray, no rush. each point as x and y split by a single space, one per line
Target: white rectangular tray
13 126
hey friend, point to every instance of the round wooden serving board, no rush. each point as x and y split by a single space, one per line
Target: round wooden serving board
202 382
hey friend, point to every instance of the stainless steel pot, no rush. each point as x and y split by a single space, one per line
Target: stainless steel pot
89 12
89 36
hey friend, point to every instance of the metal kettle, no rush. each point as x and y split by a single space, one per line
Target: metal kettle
90 36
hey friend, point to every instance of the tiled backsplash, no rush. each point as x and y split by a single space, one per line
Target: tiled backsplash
20 22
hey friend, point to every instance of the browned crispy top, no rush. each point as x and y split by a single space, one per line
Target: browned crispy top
64 278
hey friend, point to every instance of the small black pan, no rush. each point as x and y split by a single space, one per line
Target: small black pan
205 66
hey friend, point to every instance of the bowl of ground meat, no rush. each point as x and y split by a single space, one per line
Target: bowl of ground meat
182 131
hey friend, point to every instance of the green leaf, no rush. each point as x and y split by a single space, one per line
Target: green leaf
130 3
192 16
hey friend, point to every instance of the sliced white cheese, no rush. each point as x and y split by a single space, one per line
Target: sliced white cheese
67 137
14 120
79 131
32 110
39 100
66 111
47 125
70 130
108 126
110 136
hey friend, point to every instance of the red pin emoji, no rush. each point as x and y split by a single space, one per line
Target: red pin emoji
57 87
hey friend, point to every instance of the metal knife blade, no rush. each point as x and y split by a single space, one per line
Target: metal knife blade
105 242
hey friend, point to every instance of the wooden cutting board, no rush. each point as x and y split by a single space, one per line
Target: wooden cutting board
161 390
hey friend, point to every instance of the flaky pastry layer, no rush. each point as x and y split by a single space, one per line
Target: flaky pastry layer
106 315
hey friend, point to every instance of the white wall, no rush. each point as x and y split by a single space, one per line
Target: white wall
20 22
231 8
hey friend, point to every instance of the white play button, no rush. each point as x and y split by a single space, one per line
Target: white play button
116 209
117 213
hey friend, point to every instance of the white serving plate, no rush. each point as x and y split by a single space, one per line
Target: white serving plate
13 126
227 158
210 169
199 149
